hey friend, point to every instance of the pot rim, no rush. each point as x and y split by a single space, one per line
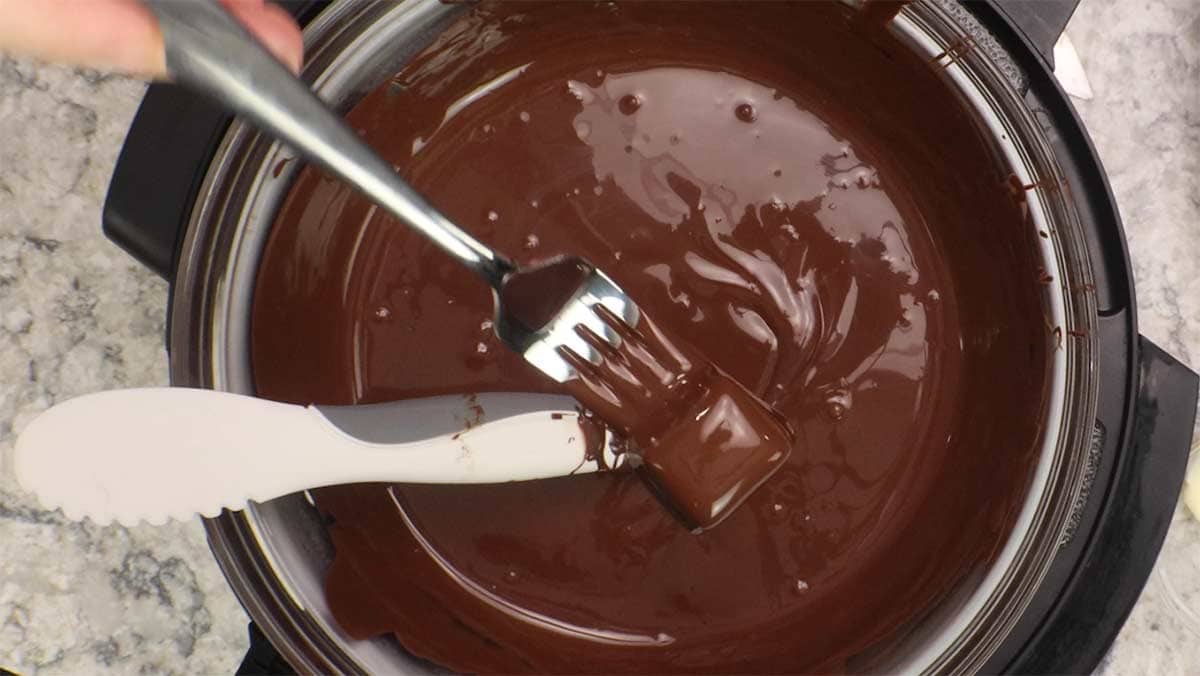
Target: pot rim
228 225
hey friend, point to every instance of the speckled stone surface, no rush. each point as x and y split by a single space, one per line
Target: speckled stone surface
78 315
1143 61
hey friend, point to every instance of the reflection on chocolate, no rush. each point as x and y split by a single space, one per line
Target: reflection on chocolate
797 197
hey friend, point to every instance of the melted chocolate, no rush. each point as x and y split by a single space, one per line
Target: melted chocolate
705 441
781 185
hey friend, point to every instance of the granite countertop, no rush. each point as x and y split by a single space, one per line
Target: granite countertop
78 315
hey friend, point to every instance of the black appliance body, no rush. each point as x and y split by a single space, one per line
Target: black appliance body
1146 403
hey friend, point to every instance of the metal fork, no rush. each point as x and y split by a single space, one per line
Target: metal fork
210 51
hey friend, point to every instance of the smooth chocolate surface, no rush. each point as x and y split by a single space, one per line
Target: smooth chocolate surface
784 187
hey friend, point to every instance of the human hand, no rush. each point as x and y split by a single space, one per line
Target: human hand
122 35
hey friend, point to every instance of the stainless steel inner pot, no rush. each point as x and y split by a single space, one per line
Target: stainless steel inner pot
275 554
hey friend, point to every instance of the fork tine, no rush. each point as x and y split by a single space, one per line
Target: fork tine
601 290
608 349
618 371
596 297
596 324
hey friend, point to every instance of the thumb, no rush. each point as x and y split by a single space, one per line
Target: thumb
122 35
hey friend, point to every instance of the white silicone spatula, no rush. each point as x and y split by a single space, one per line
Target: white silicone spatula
158 453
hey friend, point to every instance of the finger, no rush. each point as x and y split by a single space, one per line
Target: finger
104 34
273 27
123 36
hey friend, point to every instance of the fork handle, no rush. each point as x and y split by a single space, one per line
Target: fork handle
208 50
